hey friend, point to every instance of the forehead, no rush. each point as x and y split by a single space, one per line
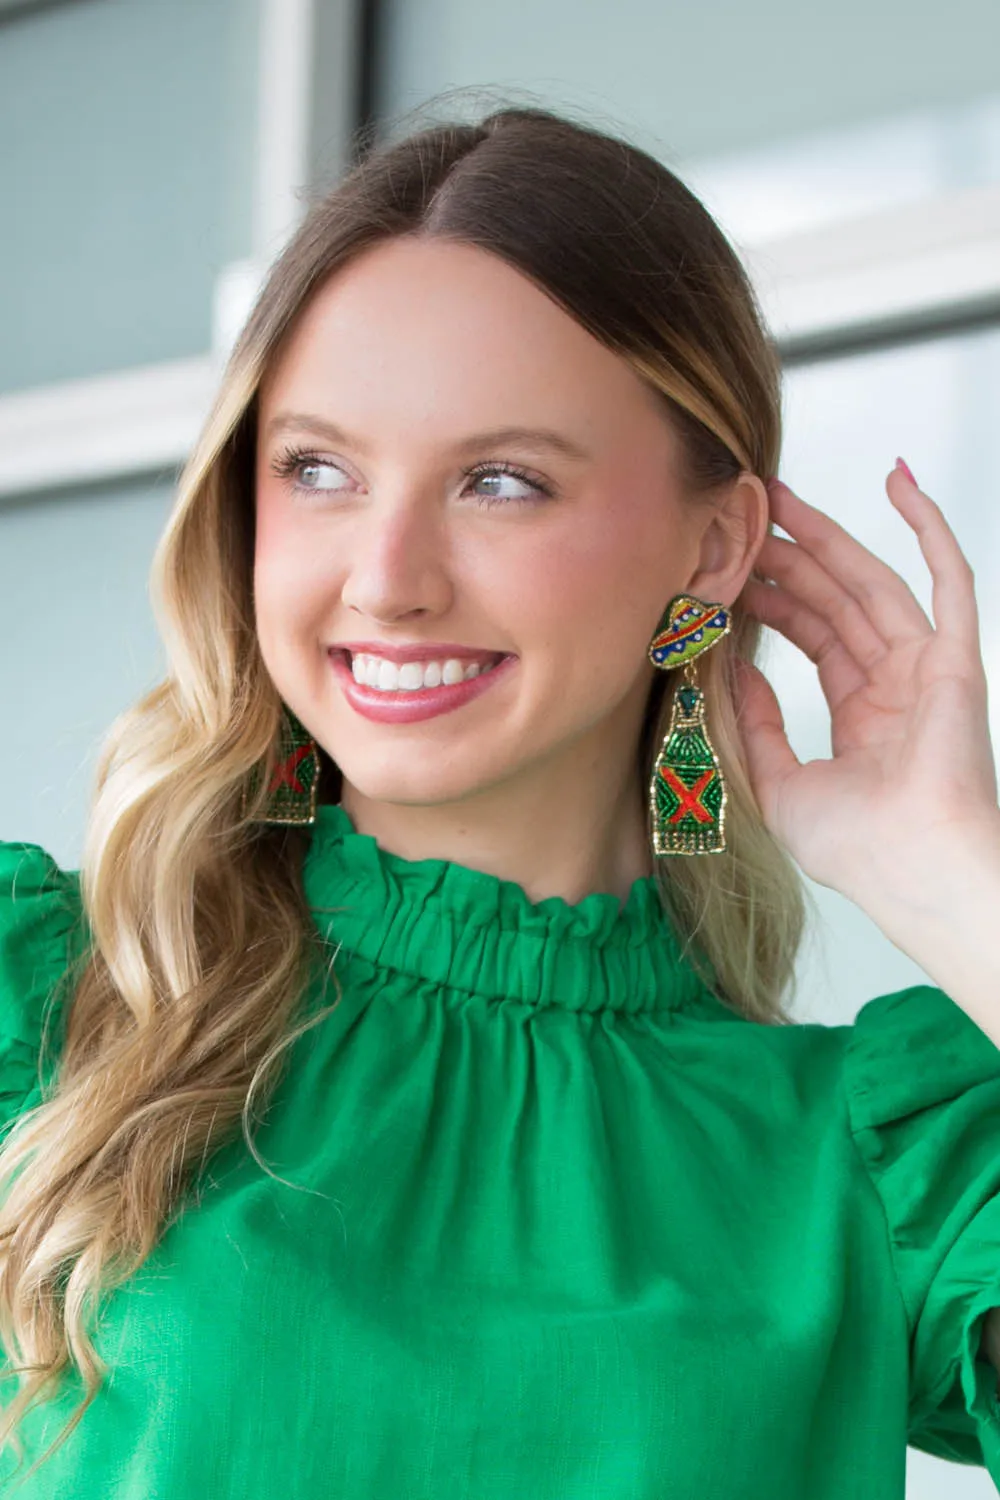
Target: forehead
432 332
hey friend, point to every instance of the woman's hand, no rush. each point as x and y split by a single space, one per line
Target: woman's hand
912 773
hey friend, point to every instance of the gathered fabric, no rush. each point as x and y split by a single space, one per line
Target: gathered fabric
548 1218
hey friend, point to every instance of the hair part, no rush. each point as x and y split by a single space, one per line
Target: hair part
202 960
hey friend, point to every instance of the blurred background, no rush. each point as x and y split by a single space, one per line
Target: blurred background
154 161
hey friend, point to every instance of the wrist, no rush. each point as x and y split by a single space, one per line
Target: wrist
940 903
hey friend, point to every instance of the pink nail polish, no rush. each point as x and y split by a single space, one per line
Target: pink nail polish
900 464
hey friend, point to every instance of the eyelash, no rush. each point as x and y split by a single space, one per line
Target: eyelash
289 460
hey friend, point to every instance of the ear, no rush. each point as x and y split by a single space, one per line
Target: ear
733 532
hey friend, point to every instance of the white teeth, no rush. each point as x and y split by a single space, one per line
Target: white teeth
387 677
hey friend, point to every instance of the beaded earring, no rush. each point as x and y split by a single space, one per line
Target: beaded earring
294 783
687 791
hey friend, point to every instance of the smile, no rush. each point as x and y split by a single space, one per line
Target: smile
406 705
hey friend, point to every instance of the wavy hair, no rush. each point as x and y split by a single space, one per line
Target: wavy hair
180 1011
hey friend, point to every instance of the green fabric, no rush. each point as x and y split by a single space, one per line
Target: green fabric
555 1223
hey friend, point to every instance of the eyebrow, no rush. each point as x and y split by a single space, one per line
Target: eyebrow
527 437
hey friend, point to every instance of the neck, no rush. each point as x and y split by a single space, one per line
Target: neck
563 845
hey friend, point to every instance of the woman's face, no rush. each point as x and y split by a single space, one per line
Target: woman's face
381 534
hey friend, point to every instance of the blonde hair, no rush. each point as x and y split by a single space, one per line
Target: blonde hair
182 1007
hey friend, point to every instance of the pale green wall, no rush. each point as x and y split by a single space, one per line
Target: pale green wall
700 79
127 158
126 161
79 646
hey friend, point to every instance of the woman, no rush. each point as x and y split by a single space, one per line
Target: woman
402 1097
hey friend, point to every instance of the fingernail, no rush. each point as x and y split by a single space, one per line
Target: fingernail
900 464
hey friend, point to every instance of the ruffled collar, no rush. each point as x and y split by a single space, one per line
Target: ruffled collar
447 924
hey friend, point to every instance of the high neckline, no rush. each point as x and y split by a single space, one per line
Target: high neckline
471 931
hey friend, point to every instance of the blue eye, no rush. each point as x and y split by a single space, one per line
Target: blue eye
511 471
290 460
293 461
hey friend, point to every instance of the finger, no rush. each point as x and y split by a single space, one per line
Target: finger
885 597
839 673
953 600
770 757
801 575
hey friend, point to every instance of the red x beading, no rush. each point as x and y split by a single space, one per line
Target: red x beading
284 774
690 796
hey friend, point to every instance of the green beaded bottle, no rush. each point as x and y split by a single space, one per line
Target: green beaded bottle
687 791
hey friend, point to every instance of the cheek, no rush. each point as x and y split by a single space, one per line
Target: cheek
291 578
583 592
573 612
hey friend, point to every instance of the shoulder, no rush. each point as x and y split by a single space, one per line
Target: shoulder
911 1050
41 923
923 1096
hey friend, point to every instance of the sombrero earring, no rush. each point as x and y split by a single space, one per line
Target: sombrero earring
687 791
294 783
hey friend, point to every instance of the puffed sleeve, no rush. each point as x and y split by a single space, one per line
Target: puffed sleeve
42 928
923 1093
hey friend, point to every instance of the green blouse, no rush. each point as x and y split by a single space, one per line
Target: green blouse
554 1223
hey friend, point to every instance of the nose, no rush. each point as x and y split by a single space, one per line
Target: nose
399 558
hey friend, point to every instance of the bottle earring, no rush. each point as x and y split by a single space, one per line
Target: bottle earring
294 782
687 791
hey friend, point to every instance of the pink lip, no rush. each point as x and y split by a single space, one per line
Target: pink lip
408 707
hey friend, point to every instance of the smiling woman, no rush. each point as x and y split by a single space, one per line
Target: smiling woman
393 528
564 1195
